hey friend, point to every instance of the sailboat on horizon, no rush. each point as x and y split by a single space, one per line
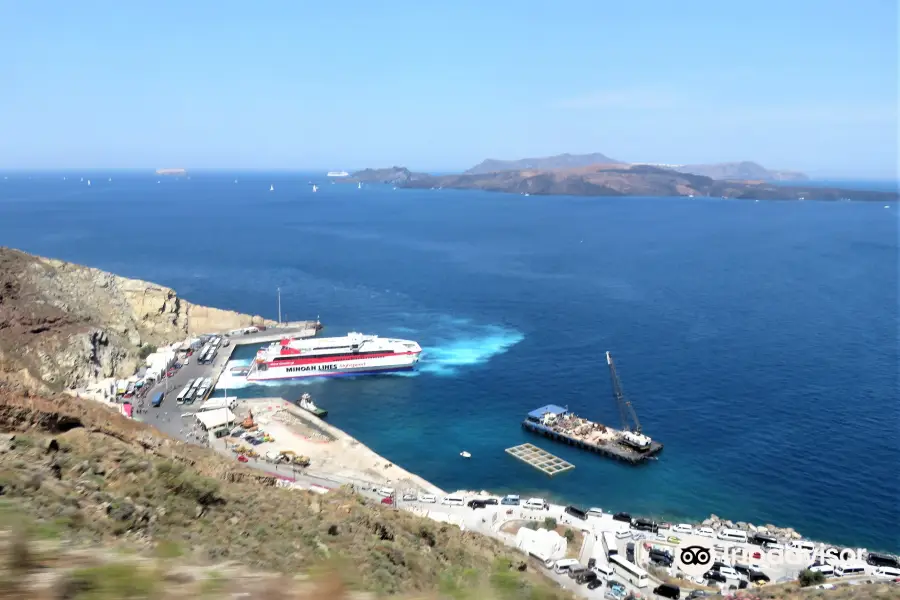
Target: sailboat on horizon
315 188
271 188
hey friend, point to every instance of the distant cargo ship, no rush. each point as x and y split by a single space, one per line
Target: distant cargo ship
171 171
338 173
353 354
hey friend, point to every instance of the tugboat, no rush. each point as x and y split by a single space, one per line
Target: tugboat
307 404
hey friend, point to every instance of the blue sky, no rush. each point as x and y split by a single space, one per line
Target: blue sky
809 85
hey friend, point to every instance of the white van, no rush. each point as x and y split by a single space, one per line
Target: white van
826 570
803 545
623 535
683 528
454 500
385 491
594 512
564 564
603 571
732 535
850 569
535 504
887 572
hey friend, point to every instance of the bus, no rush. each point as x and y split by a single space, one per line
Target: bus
609 543
181 395
629 572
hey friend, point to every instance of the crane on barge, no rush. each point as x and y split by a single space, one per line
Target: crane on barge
631 426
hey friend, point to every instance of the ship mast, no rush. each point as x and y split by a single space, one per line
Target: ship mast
625 408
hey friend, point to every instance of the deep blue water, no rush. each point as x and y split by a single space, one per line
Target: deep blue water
758 341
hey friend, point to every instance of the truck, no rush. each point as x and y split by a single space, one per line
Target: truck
157 399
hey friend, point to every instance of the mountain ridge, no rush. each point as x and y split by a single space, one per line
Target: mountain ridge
739 170
635 180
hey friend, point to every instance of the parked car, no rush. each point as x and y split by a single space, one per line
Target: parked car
491 502
511 500
715 575
758 577
427 498
624 517
577 571
586 577
667 590
476 503
408 497
594 584
388 500
645 525
576 512
242 458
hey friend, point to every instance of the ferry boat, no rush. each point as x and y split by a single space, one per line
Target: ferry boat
353 354
337 173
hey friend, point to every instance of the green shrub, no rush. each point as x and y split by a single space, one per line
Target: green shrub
569 535
550 523
146 350
111 582
808 578
168 549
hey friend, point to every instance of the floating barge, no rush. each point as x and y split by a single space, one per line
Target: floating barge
540 459
558 424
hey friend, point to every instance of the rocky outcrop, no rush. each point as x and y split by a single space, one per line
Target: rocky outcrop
64 325
392 175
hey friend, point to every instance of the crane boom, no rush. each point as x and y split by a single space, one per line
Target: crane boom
625 408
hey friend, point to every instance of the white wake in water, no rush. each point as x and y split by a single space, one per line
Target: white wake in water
449 356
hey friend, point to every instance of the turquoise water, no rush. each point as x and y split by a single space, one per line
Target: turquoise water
758 341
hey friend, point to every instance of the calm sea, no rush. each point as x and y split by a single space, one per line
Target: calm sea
757 341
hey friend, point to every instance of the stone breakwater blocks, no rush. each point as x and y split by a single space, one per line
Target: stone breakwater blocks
540 459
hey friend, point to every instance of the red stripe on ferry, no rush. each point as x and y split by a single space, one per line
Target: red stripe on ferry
333 358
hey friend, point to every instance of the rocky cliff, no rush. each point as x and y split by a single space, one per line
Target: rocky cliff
63 325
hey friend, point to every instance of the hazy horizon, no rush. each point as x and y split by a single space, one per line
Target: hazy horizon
807 86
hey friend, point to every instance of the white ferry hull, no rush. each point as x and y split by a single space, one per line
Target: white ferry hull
296 369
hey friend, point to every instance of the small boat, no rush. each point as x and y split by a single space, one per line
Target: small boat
359 185
271 188
465 454
307 404
89 182
315 188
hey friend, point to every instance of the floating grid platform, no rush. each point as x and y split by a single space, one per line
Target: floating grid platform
540 459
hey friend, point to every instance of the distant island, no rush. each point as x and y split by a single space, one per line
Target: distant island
391 175
171 171
621 179
741 171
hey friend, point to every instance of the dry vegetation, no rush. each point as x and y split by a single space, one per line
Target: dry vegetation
85 478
